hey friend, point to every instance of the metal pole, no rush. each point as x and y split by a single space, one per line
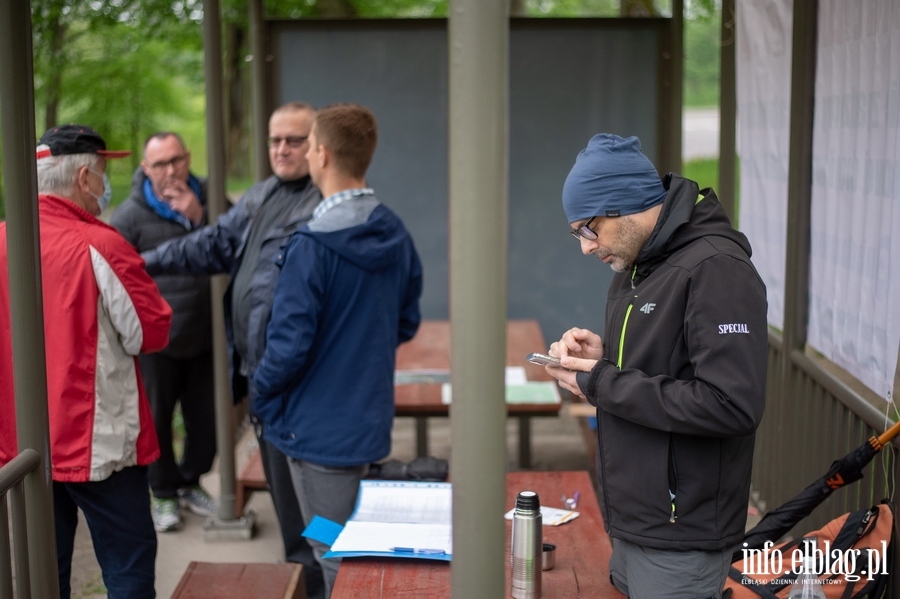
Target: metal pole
260 108
677 83
6 586
727 111
12 477
25 295
479 105
799 192
215 151
19 508
803 84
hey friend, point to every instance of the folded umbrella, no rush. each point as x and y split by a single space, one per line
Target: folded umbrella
844 471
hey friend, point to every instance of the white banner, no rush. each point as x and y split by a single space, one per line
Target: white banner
763 106
855 232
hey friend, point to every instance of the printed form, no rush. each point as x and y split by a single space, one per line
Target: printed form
399 518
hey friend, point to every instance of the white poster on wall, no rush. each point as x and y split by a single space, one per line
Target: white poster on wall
854 318
763 106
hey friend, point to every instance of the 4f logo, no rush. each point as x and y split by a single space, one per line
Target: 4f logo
647 308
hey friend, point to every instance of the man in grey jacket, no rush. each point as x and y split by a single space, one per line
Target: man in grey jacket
680 389
167 202
244 242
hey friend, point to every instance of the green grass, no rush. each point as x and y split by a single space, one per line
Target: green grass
704 171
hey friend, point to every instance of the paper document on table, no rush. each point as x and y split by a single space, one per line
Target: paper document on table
399 519
421 376
383 537
533 392
515 375
550 516
403 501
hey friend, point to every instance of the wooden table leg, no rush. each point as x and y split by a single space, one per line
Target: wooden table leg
524 441
421 436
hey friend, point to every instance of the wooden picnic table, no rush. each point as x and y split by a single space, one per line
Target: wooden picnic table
430 350
582 551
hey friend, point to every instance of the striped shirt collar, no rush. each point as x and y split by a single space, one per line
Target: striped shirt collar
339 198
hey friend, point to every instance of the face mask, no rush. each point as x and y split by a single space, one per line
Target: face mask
104 199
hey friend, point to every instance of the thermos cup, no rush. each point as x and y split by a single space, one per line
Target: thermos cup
527 546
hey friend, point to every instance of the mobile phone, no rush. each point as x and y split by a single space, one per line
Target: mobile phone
544 360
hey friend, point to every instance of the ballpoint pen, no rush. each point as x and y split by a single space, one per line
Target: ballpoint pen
418 551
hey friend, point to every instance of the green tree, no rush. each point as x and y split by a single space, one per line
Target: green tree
121 85
130 66
701 56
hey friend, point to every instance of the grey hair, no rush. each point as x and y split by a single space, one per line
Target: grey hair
56 174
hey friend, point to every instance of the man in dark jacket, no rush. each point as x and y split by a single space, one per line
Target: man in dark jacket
680 388
167 202
347 296
244 242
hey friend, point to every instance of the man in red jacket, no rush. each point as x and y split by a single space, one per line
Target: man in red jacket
101 310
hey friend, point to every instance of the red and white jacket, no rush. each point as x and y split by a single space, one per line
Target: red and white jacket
101 309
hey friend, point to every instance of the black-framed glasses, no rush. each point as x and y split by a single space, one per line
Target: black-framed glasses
175 162
585 231
293 141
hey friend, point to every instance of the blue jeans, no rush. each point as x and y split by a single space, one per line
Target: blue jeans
117 511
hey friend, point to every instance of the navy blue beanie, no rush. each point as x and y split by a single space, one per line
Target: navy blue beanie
611 177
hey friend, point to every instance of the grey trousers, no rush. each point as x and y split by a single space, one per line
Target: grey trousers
329 492
647 573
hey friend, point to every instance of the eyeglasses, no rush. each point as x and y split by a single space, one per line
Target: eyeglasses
293 141
175 162
585 231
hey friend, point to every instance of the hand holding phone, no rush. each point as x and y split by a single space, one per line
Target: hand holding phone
544 360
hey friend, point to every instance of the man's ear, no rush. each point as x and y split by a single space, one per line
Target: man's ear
323 156
81 183
146 168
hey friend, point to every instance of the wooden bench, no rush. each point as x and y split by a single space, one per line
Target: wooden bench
252 478
205 580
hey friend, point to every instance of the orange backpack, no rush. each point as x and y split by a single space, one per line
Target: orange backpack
852 559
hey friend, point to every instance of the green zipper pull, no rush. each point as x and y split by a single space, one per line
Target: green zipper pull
633 274
672 515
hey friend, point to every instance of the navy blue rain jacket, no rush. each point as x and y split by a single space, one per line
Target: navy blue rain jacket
347 296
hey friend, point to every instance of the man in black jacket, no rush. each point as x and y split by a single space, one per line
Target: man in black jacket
245 242
167 202
680 388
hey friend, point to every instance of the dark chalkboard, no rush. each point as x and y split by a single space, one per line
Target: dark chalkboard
569 79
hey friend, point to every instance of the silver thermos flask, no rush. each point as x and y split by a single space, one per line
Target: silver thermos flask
526 548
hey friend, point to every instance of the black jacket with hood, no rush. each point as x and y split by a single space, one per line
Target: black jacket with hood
191 332
681 388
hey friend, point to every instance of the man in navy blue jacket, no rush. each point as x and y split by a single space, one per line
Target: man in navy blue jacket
347 296
244 243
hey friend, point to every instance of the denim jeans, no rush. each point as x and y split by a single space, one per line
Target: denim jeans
117 511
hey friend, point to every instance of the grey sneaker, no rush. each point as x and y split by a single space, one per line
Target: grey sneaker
198 501
166 515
